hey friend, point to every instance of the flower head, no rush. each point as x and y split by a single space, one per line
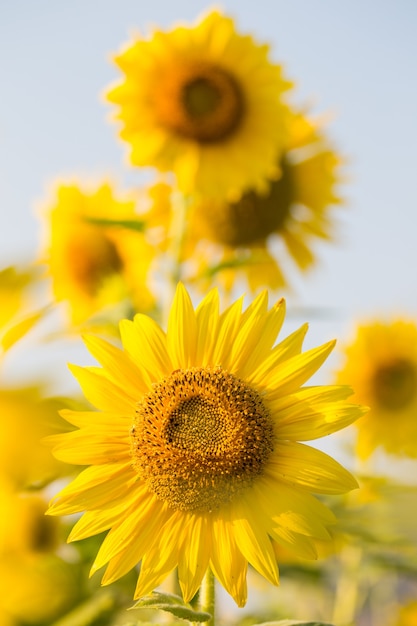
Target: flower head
203 102
261 236
381 364
195 455
293 212
93 264
37 585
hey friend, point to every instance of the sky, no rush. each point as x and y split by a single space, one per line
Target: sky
353 62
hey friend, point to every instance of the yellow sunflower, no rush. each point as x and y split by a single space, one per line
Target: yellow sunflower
263 235
194 455
381 364
37 586
94 265
203 102
26 417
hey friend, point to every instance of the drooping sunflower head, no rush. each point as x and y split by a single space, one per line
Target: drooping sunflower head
204 102
195 455
381 363
93 265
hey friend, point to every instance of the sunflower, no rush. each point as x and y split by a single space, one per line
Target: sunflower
381 363
24 460
195 455
203 102
261 236
37 585
94 265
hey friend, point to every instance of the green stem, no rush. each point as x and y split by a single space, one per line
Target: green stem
208 596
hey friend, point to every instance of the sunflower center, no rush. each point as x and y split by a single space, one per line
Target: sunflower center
92 260
395 385
202 102
253 217
200 437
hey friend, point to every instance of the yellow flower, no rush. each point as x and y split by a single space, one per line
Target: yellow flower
24 528
261 236
204 102
26 418
264 234
92 264
194 457
36 585
381 364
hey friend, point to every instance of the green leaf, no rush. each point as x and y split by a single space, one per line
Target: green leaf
137 225
172 604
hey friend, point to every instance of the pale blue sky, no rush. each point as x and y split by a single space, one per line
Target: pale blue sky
355 60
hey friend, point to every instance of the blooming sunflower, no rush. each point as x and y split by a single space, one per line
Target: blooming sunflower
195 455
259 236
205 103
261 232
381 363
94 265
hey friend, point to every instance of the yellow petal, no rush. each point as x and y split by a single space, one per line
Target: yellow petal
117 364
182 330
195 556
253 541
306 467
102 392
227 561
291 374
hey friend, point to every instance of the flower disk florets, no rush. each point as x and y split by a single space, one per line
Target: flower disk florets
200 437
200 102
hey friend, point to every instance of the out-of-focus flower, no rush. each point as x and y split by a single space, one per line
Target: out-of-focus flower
381 365
195 455
204 102
95 257
37 586
26 417
229 240
24 527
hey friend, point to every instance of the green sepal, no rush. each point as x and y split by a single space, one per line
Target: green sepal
172 604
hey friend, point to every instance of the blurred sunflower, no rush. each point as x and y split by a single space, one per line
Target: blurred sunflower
37 586
24 460
93 263
229 240
203 102
381 364
194 455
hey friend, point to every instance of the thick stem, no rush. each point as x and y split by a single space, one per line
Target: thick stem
208 596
